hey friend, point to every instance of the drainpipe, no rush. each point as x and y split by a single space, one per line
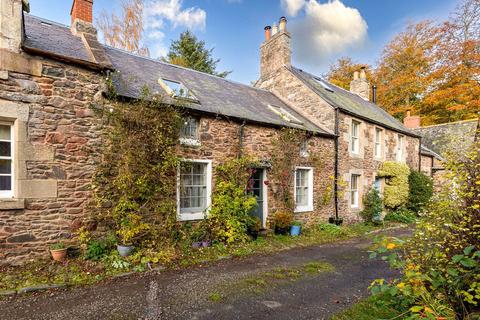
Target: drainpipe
240 139
337 130
420 154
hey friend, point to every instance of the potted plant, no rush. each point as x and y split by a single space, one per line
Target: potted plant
129 229
254 227
296 229
282 222
58 251
198 237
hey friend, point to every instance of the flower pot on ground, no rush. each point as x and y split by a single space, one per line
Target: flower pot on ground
124 250
58 252
336 221
282 222
296 229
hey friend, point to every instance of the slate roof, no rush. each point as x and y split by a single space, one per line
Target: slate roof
350 103
427 152
449 136
215 95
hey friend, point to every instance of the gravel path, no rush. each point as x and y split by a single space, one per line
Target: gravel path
185 294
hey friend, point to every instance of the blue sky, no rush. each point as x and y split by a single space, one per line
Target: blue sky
322 30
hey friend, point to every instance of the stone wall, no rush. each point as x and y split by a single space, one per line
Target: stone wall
56 143
365 163
220 141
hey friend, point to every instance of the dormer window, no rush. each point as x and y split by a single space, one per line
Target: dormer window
176 89
189 131
285 115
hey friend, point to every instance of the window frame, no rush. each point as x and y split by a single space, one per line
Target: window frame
355 193
165 84
309 206
378 144
190 141
355 137
8 194
189 216
400 146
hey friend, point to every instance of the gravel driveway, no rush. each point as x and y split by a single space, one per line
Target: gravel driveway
216 291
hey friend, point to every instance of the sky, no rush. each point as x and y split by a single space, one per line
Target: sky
322 30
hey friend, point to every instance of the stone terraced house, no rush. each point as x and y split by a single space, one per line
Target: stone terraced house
50 139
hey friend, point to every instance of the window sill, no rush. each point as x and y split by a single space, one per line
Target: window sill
190 142
191 216
12 204
303 209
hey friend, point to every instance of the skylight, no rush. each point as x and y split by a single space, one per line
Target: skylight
285 115
324 84
176 89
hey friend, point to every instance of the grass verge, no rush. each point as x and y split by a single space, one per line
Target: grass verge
372 308
80 272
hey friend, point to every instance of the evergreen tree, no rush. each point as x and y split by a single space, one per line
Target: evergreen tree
190 52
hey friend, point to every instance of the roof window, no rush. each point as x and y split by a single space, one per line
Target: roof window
324 84
285 115
176 89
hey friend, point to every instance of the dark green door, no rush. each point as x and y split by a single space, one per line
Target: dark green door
257 191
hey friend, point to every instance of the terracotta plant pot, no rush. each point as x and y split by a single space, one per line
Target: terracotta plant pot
59 255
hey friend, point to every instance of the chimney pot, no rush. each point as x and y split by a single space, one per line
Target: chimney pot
268 33
274 29
363 75
283 24
355 75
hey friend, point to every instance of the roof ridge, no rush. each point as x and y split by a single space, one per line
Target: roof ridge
448 123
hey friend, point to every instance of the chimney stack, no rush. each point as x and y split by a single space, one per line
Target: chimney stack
359 85
411 122
268 33
275 52
82 17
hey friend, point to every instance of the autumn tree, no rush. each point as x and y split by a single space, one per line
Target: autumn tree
124 32
192 53
455 93
404 72
341 72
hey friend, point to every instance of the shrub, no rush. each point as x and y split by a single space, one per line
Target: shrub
58 246
402 215
373 206
230 215
282 221
420 191
396 187
440 264
98 248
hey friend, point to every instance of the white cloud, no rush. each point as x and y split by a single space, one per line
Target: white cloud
162 14
172 11
292 7
326 29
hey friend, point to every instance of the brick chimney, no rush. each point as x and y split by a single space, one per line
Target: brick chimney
82 17
411 122
275 51
360 84
11 24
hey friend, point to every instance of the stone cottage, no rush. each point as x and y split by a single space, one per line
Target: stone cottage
365 134
50 140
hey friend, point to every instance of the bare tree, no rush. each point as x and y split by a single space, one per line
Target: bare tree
466 19
125 32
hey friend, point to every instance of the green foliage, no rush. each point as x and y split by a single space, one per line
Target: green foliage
135 183
285 156
440 264
58 246
396 188
229 218
98 248
373 206
282 221
420 191
190 52
402 215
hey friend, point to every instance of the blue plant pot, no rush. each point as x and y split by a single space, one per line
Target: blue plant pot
124 251
295 231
